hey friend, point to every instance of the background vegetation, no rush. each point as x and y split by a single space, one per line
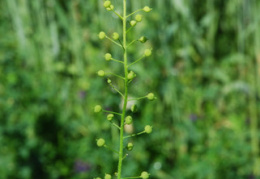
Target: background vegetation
205 72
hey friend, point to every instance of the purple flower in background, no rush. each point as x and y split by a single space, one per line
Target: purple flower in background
193 117
80 166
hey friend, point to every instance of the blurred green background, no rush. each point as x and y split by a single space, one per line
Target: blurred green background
204 71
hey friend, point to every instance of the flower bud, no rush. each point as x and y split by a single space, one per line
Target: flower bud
102 35
138 17
109 81
134 108
147 9
101 142
108 56
115 36
101 73
107 3
131 75
148 129
147 52
150 96
110 8
133 23
145 175
142 39
110 117
129 120
97 109
107 176
130 146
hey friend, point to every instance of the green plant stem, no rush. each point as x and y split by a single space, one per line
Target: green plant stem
121 143
133 135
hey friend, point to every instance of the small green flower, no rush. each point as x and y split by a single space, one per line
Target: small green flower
101 73
108 56
142 39
130 146
148 129
107 3
150 96
129 120
147 52
97 109
131 75
147 9
110 8
110 117
102 35
101 142
109 81
145 175
138 17
133 23
107 176
115 36
134 108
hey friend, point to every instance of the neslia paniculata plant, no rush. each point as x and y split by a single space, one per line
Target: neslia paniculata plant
120 119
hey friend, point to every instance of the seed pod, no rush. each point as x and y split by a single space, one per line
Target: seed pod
130 146
108 56
138 17
142 39
109 81
107 3
132 23
148 129
147 9
101 73
145 175
115 36
107 176
129 120
101 142
102 35
97 109
110 117
150 96
147 52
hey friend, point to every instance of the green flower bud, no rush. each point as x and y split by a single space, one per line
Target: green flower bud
129 120
133 23
107 176
147 52
131 75
138 18
110 117
148 129
108 56
115 36
142 39
101 142
101 73
102 35
134 108
97 109
130 146
147 9
110 8
145 175
109 81
150 96
107 3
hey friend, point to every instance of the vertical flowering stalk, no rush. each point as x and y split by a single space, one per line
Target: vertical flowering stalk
127 77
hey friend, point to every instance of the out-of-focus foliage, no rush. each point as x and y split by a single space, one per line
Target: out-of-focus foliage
204 70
